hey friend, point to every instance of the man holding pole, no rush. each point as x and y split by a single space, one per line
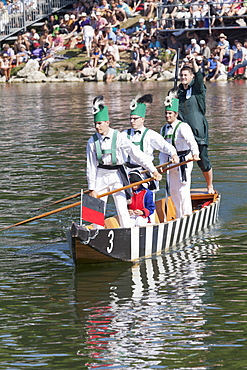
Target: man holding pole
192 109
106 151
180 135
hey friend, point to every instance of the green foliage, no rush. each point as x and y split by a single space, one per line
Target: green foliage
165 56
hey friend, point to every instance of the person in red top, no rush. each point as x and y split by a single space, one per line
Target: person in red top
142 204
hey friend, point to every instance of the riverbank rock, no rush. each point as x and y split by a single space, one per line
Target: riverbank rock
37 76
29 69
100 75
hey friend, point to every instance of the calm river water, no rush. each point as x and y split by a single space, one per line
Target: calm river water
183 310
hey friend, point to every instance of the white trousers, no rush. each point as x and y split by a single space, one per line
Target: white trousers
108 180
180 191
138 221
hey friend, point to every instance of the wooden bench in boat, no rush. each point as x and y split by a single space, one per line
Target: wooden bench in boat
166 212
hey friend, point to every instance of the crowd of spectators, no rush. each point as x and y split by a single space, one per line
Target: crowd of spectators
96 27
202 13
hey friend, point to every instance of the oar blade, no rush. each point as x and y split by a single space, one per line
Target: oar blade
92 210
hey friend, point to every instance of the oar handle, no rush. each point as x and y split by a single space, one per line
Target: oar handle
85 192
99 196
143 181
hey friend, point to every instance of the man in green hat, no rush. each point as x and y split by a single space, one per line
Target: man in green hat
180 135
146 139
192 109
106 151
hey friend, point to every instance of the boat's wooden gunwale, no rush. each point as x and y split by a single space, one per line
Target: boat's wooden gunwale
133 244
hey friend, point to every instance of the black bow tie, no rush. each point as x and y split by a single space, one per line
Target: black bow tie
106 137
137 132
168 126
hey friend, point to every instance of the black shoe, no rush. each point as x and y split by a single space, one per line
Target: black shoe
230 78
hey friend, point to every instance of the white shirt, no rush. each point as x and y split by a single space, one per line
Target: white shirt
184 139
123 148
152 141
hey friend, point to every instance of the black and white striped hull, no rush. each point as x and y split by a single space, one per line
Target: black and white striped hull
132 244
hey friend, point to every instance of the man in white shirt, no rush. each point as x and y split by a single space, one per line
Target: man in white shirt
243 62
193 48
106 151
180 135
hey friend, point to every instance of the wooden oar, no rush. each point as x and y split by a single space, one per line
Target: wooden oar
99 196
85 192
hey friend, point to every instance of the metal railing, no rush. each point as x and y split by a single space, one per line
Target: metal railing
14 18
204 21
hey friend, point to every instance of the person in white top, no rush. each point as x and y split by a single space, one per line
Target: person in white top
180 135
147 139
106 151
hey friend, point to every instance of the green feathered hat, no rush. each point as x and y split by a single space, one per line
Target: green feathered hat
138 105
173 105
171 102
100 110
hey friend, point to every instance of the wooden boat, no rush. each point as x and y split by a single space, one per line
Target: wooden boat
113 244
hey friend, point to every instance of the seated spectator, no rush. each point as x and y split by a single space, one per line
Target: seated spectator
145 41
204 51
138 74
111 71
223 46
95 55
138 8
52 23
110 35
18 43
153 27
112 48
113 22
104 6
101 22
79 9
142 205
169 14
22 56
37 52
154 43
140 30
57 41
240 64
122 39
48 57
145 61
193 48
124 9
32 37
149 8
225 9
212 43
135 57
156 64
45 38
235 53
5 66
10 52
213 67
183 12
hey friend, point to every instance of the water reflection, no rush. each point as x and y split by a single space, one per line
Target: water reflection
153 313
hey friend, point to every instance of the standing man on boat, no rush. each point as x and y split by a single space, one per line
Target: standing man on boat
180 135
146 139
106 151
192 109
